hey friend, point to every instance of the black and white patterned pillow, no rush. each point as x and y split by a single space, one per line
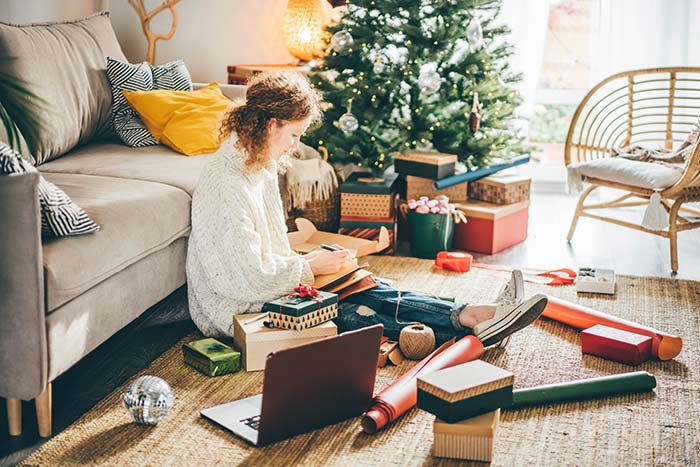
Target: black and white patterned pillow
60 216
141 77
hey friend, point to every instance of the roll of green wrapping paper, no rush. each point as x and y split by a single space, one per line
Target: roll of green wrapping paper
624 383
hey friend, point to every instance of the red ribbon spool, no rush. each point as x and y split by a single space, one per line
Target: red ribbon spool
456 261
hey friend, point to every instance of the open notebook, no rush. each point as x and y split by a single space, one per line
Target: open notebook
351 278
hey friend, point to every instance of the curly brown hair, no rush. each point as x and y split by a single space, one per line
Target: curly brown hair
284 96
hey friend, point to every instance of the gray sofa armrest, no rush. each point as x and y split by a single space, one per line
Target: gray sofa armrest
23 355
232 91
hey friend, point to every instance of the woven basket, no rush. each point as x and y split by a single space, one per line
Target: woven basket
324 214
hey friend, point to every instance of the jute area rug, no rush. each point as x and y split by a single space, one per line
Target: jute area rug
659 428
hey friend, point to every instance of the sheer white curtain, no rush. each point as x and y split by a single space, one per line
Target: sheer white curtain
631 34
528 23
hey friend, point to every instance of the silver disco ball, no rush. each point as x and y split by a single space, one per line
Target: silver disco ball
148 400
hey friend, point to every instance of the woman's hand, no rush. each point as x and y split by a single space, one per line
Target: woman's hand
326 262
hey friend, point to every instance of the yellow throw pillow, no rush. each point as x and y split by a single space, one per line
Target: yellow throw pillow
187 121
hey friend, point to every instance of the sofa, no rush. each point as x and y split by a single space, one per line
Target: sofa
63 297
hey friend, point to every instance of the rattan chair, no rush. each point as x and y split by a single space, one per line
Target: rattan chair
654 108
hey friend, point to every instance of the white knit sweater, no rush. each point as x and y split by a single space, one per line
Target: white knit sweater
239 255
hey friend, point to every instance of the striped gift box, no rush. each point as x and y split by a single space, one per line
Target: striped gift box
470 439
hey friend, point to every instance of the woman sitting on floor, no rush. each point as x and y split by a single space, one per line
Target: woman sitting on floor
239 255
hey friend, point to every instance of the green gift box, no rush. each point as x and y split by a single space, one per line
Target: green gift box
211 357
297 313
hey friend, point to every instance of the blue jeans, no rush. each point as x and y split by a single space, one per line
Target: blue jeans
441 315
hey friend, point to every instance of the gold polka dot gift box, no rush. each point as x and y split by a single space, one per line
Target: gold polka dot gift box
297 313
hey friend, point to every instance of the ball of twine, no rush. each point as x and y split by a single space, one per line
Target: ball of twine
416 341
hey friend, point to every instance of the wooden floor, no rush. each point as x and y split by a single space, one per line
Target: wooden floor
132 349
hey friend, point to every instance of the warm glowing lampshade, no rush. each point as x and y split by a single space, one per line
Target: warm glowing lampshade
303 28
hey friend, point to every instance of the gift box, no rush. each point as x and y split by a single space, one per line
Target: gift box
470 439
491 228
594 280
418 186
369 228
211 357
616 344
362 195
425 164
464 391
501 189
256 341
297 313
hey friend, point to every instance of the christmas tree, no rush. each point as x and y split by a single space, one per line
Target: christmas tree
409 74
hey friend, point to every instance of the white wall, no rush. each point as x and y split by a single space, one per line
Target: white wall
211 34
37 11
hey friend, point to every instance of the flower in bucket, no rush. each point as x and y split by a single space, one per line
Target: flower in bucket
439 205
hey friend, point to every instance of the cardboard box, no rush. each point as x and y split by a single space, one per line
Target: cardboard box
299 313
389 352
470 439
256 341
491 228
501 189
464 391
308 238
616 344
594 280
366 196
417 187
373 234
211 357
426 164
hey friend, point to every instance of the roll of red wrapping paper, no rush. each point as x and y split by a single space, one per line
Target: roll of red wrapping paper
401 395
664 346
624 383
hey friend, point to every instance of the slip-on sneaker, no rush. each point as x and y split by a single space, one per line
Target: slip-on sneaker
510 318
511 292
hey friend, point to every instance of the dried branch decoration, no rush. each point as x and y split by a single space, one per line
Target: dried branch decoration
146 18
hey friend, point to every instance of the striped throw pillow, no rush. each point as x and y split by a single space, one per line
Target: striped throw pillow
141 77
60 216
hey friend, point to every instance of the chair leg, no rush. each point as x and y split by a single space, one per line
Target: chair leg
14 416
579 209
673 234
43 412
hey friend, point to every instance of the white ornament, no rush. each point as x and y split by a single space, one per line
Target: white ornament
341 40
378 66
429 81
475 34
348 122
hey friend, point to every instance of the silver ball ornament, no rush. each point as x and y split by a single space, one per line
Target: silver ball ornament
429 81
341 40
148 400
348 122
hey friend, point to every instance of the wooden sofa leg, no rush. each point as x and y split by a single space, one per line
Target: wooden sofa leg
579 209
14 416
43 412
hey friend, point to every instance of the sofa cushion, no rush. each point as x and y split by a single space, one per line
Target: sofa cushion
153 164
137 219
64 64
141 77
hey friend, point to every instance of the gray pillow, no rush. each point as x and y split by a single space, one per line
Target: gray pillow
60 216
141 77
64 64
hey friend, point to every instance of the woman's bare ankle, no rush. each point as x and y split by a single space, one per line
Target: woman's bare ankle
472 315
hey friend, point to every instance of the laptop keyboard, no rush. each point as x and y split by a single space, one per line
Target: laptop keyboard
253 422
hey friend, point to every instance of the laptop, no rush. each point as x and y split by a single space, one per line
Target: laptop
306 387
